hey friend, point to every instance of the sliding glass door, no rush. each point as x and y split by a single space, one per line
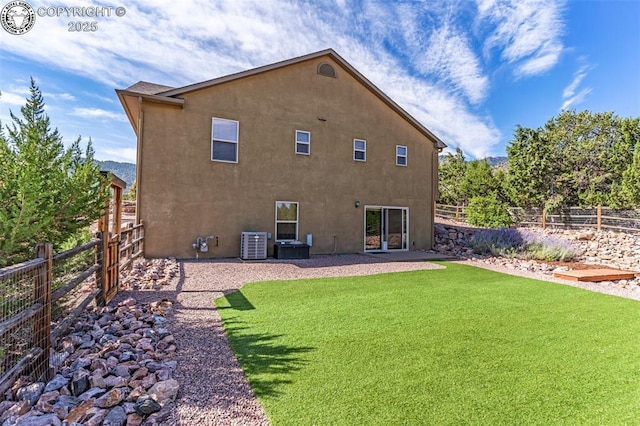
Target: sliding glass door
386 228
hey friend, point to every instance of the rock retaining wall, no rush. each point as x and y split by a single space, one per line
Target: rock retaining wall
606 248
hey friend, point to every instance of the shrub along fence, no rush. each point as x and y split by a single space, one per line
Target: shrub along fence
599 218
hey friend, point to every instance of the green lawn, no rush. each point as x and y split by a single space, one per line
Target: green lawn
460 345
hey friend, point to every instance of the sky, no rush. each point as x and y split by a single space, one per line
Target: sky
469 70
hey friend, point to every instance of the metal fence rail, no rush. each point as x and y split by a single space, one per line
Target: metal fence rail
451 212
132 238
570 218
41 298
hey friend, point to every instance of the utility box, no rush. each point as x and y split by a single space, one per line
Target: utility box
291 251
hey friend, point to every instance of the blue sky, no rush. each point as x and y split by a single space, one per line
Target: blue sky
468 70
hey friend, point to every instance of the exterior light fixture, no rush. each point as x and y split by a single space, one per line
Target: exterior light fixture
357 204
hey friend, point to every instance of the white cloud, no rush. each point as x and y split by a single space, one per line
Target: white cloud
98 113
60 96
577 79
577 99
435 71
116 154
449 56
12 99
527 32
568 94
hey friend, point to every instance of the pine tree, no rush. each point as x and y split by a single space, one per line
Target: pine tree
47 192
630 188
451 173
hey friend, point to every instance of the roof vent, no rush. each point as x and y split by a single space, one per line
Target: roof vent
326 70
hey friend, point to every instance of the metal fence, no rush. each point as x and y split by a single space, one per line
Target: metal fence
42 297
456 213
599 218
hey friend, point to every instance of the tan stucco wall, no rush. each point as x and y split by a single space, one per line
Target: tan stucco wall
183 194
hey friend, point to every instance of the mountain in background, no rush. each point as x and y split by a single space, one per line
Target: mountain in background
125 171
501 162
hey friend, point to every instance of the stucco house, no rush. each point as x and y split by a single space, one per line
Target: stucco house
306 149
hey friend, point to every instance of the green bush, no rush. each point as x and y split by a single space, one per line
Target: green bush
488 212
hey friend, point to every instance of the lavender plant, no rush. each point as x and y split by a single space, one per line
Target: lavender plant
550 249
497 242
522 244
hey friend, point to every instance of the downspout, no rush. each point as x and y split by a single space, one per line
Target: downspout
435 193
139 158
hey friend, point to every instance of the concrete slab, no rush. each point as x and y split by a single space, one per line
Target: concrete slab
411 256
595 275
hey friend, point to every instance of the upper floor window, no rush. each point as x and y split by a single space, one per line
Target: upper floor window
360 150
401 155
224 140
303 142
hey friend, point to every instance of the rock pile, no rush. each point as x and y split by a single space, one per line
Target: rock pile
114 368
453 239
150 274
613 249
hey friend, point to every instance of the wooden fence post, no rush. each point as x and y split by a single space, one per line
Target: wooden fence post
599 223
100 273
140 234
544 219
42 321
457 212
130 237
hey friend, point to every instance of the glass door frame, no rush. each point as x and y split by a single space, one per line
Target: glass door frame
384 228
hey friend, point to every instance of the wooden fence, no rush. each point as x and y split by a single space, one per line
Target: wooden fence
599 218
56 289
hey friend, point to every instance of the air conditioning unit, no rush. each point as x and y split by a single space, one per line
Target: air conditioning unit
253 245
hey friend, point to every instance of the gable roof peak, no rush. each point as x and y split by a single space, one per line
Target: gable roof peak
253 71
159 92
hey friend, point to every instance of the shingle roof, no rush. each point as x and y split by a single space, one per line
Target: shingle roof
147 88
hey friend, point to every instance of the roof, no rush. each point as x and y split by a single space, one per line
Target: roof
146 91
147 88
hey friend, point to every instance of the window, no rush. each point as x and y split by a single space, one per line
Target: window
286 221
359 150
401 155
224 140
303 142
